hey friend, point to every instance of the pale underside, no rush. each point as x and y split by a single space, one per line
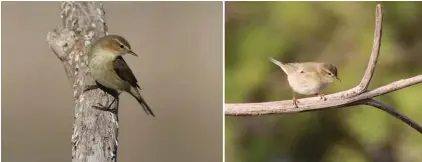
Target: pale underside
304 80
302 84
104 73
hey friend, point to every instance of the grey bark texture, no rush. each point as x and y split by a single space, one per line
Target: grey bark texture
95 132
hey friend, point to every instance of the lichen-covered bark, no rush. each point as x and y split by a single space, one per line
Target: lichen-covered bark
94 137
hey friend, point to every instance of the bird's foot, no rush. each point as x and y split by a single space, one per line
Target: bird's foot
295 102
322 97
101 107
105 108
90 87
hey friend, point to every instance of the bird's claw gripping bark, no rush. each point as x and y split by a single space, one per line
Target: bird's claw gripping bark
295 102
90 87
322 97
101 107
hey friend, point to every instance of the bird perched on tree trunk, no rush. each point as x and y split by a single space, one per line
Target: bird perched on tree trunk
108 68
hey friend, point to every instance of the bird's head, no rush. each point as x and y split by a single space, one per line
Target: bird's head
114 44
329 72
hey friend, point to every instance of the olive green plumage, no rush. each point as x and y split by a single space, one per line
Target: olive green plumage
109 69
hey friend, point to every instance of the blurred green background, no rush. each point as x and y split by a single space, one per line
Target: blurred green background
336 32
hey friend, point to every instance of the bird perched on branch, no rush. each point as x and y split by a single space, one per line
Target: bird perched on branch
108 68
309 78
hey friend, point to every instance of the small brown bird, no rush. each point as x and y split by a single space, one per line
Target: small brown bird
309 78
108 68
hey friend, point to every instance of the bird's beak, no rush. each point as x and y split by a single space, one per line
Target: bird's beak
338 79
132 53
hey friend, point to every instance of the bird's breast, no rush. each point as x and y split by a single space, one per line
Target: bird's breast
306 84
102 70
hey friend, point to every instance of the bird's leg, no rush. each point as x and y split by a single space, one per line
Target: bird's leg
115 94
96 86
90 87
322 96
107 108
295 101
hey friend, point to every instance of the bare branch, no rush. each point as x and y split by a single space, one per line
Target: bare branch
355 96
363 85
335 100
392 111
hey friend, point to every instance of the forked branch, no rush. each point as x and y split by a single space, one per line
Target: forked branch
359 95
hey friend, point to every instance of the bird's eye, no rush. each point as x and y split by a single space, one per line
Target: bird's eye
330 73
122 46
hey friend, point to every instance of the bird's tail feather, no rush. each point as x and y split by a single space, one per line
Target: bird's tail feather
142 102
144 105
278 63
275 61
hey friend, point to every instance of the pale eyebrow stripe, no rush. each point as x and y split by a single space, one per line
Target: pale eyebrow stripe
122 44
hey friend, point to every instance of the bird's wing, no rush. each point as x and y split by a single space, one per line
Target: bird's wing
293 67
124 72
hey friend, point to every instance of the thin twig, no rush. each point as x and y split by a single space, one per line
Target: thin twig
392 111
355 96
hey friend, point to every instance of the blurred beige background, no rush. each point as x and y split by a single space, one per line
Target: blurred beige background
179 69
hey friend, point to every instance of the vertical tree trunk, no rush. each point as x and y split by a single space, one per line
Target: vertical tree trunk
95 132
